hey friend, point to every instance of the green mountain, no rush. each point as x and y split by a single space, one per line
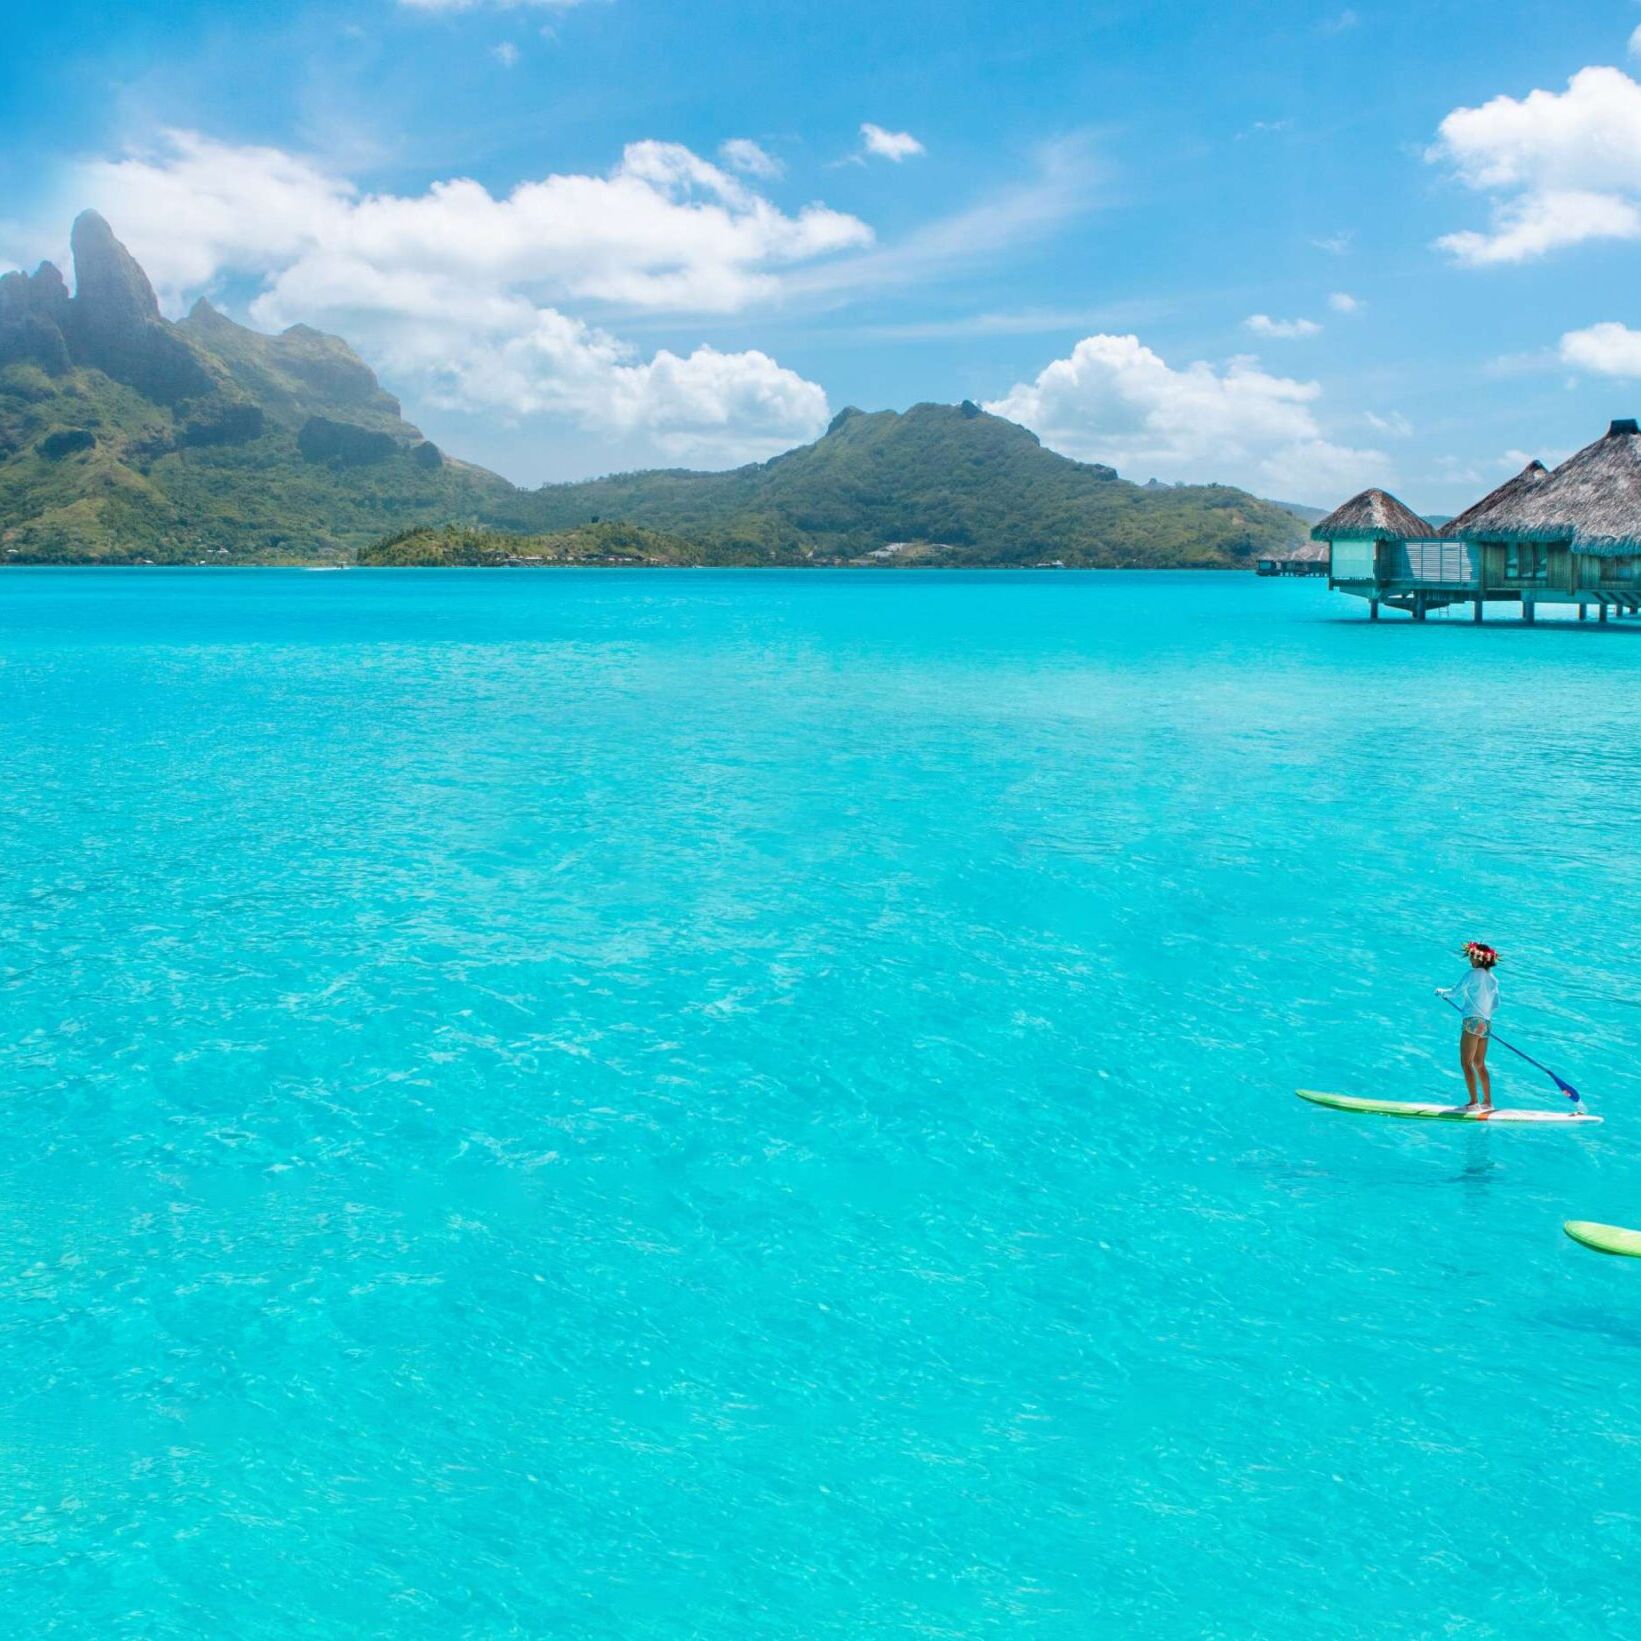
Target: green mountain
942 484
126 438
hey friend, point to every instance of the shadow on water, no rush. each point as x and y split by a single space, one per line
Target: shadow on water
1478 1168
1616 1326
1607 629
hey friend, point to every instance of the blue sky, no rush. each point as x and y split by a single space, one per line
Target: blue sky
1299 247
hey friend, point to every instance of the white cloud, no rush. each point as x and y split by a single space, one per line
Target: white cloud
1338 244
458 293
1529 227
890 145
707 406
1319 468
192 208
1534 362
1261 324
1344 302
1115 400
507 54
1635 43
1562 168
663 231
1588 136
1395 423
1341 23
1065 186
1608 349
743 155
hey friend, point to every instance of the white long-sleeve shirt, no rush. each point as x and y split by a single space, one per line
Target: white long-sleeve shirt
1477 994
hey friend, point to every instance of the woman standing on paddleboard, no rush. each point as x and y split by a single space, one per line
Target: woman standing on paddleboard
1476 996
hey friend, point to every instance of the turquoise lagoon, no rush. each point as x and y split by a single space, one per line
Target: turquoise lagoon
723 1104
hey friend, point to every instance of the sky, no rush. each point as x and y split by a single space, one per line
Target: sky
1298 247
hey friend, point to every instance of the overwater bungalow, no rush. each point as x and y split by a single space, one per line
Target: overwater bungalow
1571 536
1311 559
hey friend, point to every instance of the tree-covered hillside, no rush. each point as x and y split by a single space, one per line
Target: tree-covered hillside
951 483
467 546
125 438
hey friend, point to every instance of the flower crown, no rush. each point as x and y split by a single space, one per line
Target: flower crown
1485 956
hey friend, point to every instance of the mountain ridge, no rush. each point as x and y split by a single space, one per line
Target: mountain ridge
946 484
126 437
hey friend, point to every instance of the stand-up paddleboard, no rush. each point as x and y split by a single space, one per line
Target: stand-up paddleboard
1443 1113
1605 1239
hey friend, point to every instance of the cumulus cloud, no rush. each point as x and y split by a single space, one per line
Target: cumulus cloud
1588 136
1113 399
497 352
1344 302
1318 467
1608 349
507 54
1537 223
743 155
462 293
191 209
1560 168
663 230
1261 324
890 145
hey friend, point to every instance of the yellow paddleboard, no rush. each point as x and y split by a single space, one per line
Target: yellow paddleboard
1443 1113
1605 1239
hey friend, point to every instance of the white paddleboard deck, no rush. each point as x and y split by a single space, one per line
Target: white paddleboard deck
1441 1113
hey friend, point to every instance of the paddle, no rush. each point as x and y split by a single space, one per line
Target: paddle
1560 1082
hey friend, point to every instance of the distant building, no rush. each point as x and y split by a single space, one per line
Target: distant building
1572 536
1307 560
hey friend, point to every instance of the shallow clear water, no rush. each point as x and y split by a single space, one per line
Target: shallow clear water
696 1104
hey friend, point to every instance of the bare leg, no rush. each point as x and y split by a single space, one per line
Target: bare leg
1465 1065
1479 1059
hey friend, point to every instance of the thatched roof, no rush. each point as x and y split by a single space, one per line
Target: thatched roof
1472 522
1375 515
1593 500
